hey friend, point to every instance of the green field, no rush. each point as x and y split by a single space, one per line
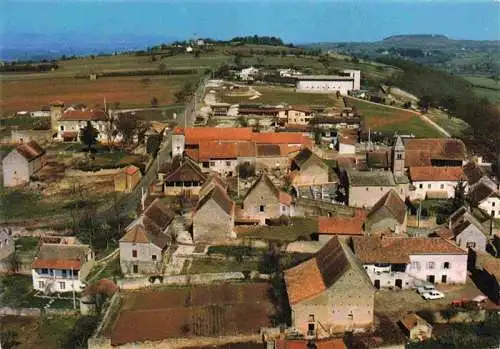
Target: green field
378 117
285 61
278 95
486 87
455 126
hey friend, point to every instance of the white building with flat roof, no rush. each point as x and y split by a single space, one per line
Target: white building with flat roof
349 81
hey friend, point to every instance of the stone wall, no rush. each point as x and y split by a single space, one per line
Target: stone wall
196 279
35 312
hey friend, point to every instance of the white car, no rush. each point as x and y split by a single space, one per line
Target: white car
426 288
433 295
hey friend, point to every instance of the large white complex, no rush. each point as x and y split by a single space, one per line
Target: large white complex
351 81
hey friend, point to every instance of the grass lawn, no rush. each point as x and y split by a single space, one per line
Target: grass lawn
278 95
200 266
455 126
301 228
486 87
286 61
381 118
110 271
26 243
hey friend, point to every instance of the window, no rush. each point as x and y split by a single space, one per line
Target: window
493 204
311 317
283 208
64 273
153 257
262 208
399 156
421 186
41 284
381 189
430 265
62 285
134 253
446 265
212 163
228 163
205 165
415 265
470 244
135 268
366 189
45 271
75 273
62 127
429 186
441 186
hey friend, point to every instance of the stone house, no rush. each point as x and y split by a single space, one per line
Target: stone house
397 262
146 239
330 293
467 231
212 180
415 327
309 169
22 163
70 123
182 176
61 267
264 201
365 188
388 214
213 217
487 198
478 174
7 245
271 157
299 115
127 178
434 182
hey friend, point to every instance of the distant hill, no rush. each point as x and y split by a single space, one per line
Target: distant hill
462 57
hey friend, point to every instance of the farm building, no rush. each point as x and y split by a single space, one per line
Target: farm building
350 81
22 163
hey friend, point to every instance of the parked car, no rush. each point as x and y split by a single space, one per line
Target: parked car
426 288
433 295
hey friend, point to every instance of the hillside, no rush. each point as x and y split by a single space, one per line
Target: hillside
462 57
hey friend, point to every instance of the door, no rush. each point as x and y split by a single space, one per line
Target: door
431 278
443 279
399 283
377 284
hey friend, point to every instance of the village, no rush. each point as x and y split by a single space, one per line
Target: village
260 215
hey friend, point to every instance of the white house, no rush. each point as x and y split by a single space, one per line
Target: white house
467 231
22 163
248 73
71 122
61 267
486 198
398 262
433 182
350 81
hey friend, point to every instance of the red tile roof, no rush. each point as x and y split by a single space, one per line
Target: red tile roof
342 225
199 134
420 151
57 264
83 115
225 150
31 150
280 138
433 173
396 249
130 170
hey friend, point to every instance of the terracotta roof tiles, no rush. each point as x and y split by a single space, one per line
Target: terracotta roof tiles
31 150
434 173
83 115
342 225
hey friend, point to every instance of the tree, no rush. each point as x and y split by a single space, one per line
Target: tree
154 102
153 144
8 339
127 125
13 262
89 135
197 53
317 136
110 129
237 59
242 121
459 199
260 60
246 170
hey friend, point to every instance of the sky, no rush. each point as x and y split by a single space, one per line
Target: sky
294 21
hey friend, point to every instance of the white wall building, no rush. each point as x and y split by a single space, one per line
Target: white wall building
351 81
486 198
247 73
401 262
61 267
434 182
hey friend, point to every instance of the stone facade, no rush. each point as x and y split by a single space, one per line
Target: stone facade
7 245
140 258
212 223
17 169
